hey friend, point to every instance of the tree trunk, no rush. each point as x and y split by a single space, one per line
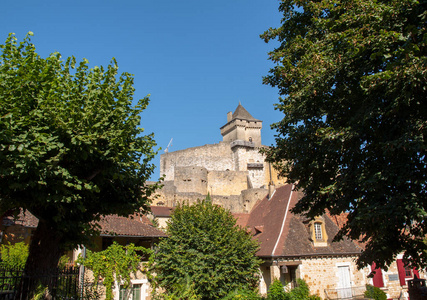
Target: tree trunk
42 263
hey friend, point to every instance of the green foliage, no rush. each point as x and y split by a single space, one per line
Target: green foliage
353 81
300 292
13 256
243 294
276 291
184 291
71 149
373 292
205 244
116 263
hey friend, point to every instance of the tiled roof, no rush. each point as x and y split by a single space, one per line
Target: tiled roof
282 233
161 211
242 113
24 218
137 226
241 219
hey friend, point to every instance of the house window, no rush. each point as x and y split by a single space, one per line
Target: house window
318 231
405 271
319 236
132 293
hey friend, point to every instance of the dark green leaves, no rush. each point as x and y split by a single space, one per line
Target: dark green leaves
353 79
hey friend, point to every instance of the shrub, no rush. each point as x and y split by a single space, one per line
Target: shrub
243 294
276 291
205 244
14 256
300 292
374 292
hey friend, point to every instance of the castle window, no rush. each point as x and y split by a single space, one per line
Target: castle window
250 139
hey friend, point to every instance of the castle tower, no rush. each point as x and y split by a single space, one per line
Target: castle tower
242 127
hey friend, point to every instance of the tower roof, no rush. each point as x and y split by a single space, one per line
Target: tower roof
242 113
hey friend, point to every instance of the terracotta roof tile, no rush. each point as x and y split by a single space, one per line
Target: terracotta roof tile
24 218
161 211
241 219
137 225
282 233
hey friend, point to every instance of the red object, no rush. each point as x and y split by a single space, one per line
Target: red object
378 276
401 270
405 272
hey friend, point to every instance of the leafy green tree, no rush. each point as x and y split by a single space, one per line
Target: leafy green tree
352 76
70 147
116 263
13 256
205 245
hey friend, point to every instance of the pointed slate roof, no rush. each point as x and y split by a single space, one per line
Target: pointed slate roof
242 113
284 234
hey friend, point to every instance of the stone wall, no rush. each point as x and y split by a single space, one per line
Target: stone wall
319 273
227 182
191 179
211 157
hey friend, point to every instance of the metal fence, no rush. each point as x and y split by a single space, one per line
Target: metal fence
64 283
355 292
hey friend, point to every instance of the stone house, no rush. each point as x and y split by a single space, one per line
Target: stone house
136 229
293 247
394 280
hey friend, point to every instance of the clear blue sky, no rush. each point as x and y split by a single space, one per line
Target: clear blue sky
197 58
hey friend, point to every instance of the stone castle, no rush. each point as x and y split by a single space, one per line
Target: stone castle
233 172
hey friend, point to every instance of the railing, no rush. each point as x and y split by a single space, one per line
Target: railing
355 292
64 283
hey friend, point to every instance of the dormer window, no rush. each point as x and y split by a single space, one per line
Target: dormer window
318 233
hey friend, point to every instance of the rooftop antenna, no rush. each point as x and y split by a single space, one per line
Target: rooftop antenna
170 144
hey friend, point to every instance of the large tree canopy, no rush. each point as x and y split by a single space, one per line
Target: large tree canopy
70 147
205 253
352 76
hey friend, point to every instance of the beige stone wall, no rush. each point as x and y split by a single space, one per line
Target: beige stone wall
191 179
321 274
211 157
227 182
250 197
391 280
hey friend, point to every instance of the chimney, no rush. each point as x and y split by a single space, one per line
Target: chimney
271 189
229 116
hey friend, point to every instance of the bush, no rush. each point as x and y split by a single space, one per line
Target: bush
14 256
374 292
243 294
205 244
276 291
300 292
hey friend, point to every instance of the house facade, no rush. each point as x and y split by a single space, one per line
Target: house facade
293 247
